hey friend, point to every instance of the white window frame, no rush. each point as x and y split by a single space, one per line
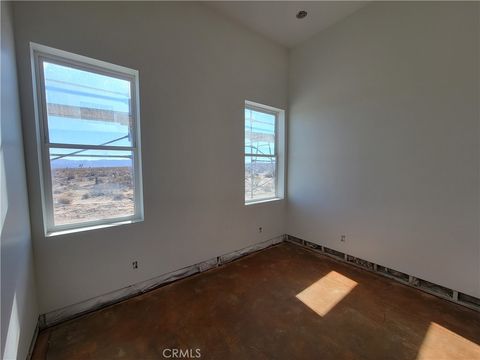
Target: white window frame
279 153
40 53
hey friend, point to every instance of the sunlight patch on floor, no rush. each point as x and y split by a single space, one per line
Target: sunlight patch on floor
327 292
442 344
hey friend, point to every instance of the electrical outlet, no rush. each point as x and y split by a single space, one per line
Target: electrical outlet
260 229
135 264
343 238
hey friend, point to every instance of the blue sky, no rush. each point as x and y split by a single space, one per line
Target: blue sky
257 124
79 89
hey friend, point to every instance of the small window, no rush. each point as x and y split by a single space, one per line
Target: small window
263 153
89 140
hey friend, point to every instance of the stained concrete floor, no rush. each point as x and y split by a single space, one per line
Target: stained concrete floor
281 303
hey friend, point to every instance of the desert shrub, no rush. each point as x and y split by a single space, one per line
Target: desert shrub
96 193
85 196
117 197
64 200
70 177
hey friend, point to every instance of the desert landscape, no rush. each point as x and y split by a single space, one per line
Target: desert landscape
93 193
82 194
259 180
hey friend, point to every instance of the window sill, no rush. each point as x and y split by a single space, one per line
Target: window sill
263 201
91 227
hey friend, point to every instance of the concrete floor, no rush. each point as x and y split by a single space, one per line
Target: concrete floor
281 303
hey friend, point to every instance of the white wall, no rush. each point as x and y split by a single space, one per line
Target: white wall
19 311
196 70
384 139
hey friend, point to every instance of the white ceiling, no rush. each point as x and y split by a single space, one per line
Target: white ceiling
277 19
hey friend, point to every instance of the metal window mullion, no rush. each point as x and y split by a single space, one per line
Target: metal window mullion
90 155
89 147
261 155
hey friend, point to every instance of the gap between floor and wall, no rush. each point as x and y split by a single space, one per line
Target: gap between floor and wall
443 292
74 311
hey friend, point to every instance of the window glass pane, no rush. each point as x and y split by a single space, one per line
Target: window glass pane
259 178
259 132
87 108
90 185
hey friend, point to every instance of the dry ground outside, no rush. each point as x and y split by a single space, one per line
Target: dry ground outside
86 194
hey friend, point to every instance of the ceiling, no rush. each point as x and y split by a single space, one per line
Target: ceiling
277 19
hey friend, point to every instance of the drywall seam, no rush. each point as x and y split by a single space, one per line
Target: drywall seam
72 311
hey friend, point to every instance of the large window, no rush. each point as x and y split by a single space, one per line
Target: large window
263 150
89 140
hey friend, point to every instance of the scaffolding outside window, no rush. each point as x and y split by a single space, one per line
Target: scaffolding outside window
89 140
261 154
